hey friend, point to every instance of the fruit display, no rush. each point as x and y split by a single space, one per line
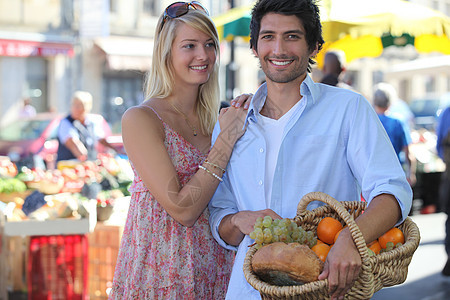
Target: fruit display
7 168
11 185
47 194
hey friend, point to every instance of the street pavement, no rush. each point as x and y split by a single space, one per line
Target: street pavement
424 280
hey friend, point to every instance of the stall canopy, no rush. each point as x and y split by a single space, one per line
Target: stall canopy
126 53
25 48
370 26
235 22
363 28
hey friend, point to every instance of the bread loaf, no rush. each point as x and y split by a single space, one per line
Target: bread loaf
286 264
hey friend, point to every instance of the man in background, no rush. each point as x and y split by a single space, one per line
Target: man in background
79 132
333 69
400 137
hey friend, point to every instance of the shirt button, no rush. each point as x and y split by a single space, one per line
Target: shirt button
261 150
260 182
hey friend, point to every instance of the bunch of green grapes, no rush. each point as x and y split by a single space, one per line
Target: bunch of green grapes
267 231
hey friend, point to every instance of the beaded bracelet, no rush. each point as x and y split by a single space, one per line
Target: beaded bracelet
215 166
208 171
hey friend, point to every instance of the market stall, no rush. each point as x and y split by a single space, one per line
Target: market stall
55 229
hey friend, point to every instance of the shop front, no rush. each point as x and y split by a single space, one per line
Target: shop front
36 67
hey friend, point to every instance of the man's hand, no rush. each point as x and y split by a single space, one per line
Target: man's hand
233 227
244 220
342 266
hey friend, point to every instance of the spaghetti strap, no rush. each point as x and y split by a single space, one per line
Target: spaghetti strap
148 107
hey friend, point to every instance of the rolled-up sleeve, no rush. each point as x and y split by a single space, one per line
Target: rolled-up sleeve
374 162
223 203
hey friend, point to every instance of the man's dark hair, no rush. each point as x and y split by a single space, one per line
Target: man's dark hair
305 10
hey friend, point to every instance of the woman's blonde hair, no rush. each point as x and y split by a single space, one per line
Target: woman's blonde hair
160 81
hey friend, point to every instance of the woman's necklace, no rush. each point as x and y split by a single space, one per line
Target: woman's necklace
185 118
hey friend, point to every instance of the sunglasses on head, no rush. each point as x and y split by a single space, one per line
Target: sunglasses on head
178 9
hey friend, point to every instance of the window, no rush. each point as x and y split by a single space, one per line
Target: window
150 7
430 84
435 5
113 5
36 82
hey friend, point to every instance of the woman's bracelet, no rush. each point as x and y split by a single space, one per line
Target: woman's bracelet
215 166
209 172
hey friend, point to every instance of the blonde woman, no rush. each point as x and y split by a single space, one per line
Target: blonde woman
167 250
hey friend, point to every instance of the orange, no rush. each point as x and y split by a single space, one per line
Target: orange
394 235
319 242
374 246
321 250
327 229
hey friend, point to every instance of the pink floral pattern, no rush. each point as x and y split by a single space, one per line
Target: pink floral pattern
162 259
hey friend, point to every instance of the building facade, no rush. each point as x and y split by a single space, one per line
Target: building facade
50 48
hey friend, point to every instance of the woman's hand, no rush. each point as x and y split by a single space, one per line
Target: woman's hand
232 120
242 100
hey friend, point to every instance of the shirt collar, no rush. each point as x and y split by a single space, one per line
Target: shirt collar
307 88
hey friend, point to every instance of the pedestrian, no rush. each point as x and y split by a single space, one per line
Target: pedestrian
80 132
304 137
383 96
167 250
443 150
334 68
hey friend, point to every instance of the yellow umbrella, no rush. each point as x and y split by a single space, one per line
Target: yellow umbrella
362 28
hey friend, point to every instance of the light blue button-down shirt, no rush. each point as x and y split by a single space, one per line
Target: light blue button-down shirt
333 143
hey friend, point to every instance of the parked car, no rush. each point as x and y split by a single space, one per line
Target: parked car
33 142
427 109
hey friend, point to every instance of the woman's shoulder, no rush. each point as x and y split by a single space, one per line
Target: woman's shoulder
144 115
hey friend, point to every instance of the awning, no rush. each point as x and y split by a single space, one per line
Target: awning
127 53
19 48
423 66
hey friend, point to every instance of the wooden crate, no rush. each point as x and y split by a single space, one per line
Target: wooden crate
104 245
15 246
16 262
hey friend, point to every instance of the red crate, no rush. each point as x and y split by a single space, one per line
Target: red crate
57 267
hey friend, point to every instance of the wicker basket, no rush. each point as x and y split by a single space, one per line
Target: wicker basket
385 269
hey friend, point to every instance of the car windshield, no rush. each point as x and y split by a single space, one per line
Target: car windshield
23 130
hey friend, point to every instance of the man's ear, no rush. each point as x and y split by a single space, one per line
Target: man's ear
254 52
315 51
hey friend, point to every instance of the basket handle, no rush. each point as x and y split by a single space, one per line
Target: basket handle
348 219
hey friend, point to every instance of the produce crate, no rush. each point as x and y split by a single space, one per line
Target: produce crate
16 257
57 267
104 245
29 248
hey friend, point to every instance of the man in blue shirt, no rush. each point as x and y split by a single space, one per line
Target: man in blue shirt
443 149
303 137
383 95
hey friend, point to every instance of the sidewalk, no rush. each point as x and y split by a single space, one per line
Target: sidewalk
424 280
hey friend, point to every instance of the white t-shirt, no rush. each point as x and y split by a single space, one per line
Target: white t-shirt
273 133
